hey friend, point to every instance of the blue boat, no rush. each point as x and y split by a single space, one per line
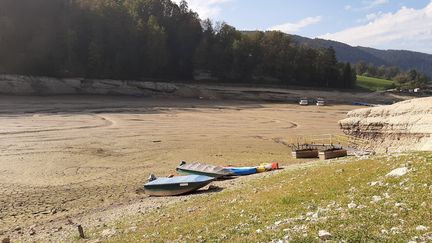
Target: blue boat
176 185
242 171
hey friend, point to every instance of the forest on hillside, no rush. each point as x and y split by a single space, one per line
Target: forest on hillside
410 79
141 39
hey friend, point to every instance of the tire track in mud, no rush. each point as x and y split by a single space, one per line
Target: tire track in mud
106 123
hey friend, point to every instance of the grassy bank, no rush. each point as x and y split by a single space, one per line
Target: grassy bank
352 199
373 84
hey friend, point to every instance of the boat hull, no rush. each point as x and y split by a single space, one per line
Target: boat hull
242 171
194 172
173 190
177 185
204 170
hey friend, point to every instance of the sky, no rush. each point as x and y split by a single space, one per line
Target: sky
382 24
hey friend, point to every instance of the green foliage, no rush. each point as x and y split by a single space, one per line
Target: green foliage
411 80
402 80
135 39
374 84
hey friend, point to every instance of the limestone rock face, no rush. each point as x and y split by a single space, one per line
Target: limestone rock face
405 125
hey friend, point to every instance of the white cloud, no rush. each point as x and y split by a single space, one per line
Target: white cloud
206 8
367 5
373 16
370 17
375 3
405 29
297 26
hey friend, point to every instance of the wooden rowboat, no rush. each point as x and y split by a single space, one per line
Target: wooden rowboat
176 185
204 169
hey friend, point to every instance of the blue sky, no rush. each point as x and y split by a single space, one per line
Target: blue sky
384 24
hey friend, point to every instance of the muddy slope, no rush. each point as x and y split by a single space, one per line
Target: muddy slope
25 85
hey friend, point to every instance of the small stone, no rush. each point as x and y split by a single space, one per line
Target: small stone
421 228
399 205
258 231
398 172
17 228
324 235
375 183
108 233
53 211
376 199
352 205
32 232
395 230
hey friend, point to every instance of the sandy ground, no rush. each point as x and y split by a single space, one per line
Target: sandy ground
63 157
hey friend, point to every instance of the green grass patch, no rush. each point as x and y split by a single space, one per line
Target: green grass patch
296 204
374 84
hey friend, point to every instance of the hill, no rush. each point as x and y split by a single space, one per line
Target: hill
405 60
373 84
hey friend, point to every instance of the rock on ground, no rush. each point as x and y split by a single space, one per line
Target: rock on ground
324 235
398 172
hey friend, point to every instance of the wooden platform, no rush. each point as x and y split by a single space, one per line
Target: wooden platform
305 154
331 154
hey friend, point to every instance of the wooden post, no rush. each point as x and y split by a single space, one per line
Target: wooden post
81 231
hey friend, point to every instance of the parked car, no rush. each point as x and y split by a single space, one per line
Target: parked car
304 101
320 102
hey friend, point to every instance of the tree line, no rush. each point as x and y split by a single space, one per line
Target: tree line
140 39
403 79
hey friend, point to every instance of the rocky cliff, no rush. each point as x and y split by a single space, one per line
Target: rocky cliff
405 125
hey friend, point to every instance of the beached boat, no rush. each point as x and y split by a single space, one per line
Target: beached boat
204 169
242 171
176 185
267 167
